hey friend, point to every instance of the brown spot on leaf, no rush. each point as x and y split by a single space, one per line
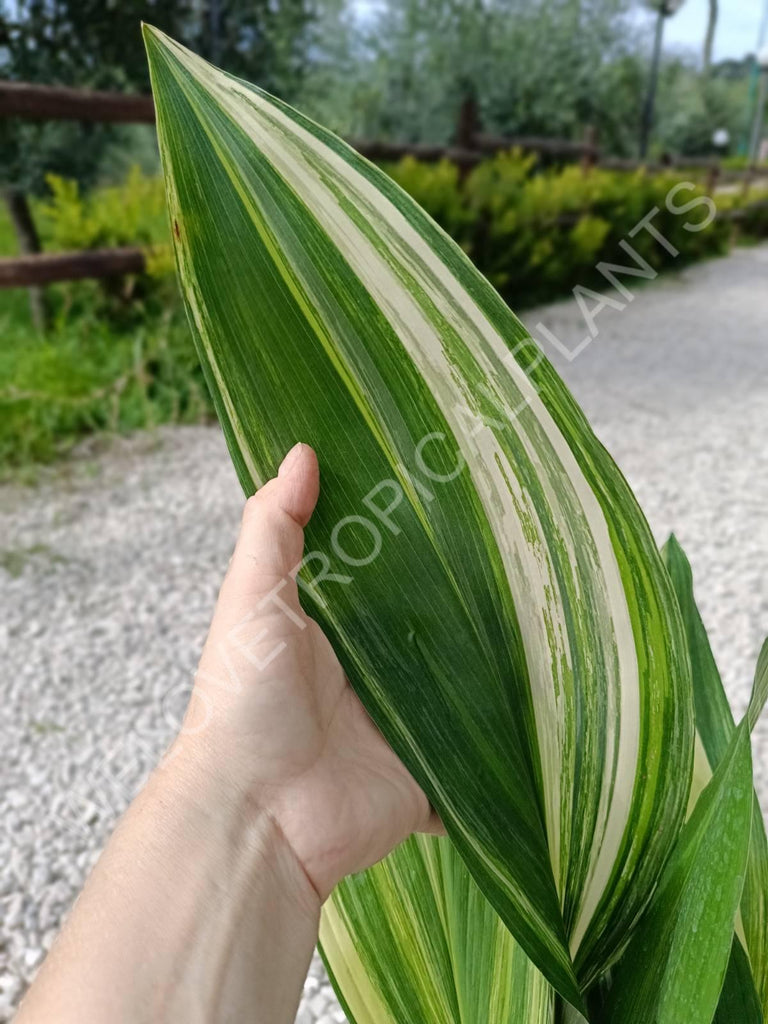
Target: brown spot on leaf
176 229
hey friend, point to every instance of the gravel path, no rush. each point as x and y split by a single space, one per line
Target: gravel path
109 571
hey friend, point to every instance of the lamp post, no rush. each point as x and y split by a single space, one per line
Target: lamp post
757 124
665 9
754 78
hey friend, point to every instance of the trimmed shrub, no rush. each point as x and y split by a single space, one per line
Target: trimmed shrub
536 234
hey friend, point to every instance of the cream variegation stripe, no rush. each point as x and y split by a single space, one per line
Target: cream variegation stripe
350 974
531 578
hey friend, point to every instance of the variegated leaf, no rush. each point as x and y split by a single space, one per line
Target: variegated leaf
477 559
414 939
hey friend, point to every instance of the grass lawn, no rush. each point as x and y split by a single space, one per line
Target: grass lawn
88 376
104 365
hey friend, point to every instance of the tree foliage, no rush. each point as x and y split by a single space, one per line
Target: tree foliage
536 67
97 44
545 67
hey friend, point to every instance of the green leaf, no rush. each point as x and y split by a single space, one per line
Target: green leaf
675 966
760 689
715 728
739 1002
479 563
414 939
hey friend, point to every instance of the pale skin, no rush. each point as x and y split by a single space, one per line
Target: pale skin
205 905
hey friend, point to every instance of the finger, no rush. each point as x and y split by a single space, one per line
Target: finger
271 541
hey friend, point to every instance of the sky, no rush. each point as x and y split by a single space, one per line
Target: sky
737 27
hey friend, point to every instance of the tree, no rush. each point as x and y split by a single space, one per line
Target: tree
709 39
535 66
87 43
664 9
266 41
691 107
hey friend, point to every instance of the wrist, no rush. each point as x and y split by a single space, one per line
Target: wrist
226 819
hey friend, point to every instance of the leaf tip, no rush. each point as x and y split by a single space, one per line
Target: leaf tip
155 41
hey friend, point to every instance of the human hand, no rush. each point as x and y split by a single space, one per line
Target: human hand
277 787
272 713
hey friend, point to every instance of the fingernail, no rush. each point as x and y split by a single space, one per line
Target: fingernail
290 459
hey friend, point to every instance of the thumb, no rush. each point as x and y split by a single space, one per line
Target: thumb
297 485
271 540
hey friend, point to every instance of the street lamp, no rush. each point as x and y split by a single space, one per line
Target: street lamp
757 124
665 9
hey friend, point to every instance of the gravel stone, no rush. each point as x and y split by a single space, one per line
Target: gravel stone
101 630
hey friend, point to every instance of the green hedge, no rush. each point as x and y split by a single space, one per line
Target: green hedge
536 235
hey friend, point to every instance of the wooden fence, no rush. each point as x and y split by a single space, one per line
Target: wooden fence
40 102
52 103
37 269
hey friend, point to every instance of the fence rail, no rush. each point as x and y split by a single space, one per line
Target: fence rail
45 102
54 103
50 267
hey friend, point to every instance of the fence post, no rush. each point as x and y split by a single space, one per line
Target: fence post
29 245
467 128
713 176
468 123
747 180
589 159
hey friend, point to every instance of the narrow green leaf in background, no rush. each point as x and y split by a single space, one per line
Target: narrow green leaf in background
715 728
760 689
674 968
479 563
739 1002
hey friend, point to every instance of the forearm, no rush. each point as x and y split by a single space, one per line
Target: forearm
204 907
197 911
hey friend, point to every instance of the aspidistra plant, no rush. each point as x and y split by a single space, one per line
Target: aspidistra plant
477 559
